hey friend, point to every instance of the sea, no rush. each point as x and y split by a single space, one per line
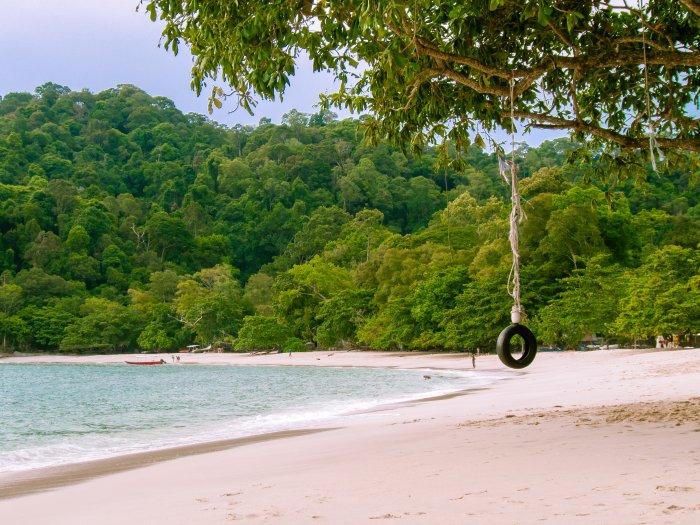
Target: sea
60 414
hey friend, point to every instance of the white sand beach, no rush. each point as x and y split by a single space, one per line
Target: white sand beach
603 437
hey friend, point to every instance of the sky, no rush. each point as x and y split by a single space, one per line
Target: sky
99 44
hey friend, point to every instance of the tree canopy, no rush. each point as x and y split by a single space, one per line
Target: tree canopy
435 71
126 225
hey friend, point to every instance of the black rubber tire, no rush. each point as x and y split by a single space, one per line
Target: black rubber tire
503 346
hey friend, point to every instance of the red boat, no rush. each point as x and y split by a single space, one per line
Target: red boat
144 362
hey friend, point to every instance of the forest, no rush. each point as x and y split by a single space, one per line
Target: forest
128 226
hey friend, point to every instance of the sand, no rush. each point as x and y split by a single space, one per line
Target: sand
604 437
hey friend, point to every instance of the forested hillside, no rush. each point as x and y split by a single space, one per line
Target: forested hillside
126 225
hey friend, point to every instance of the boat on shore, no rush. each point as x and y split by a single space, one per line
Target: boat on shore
196 349
147 362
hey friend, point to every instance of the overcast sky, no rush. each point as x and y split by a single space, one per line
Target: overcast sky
98 44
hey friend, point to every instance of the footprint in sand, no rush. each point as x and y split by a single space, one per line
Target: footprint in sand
468 494
675 488
672 508
319 499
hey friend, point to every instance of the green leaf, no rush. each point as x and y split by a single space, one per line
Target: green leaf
572 19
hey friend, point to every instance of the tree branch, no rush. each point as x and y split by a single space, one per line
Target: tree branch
640 40
190 324
631 58
476 86
561 37
662 57
692 5
528 76
606 134
425 48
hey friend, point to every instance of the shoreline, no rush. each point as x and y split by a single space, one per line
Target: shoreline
19 483
13 485
585 437
333 358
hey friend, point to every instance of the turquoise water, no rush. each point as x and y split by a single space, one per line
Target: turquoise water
59 414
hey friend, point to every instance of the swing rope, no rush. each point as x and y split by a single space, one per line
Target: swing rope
653 144
528 347
516 216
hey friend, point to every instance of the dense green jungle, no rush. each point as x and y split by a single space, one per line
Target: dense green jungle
126 225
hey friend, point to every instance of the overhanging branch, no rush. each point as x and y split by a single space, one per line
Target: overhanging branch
622 140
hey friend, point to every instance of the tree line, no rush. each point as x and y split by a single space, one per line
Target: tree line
126 225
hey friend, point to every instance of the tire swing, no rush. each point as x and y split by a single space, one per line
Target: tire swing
529 346
517 313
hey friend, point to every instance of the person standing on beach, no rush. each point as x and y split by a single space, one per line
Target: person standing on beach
473 360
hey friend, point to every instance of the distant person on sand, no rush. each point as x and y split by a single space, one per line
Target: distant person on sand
473 360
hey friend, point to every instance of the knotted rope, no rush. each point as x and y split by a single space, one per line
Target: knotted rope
517 215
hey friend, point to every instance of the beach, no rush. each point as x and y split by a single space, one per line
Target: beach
607 436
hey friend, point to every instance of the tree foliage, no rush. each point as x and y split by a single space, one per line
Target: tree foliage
427 70
128 226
